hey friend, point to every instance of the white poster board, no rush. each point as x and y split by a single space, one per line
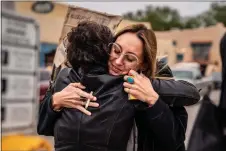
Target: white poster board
20 64
18 59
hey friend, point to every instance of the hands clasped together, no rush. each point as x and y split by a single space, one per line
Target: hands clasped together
73 95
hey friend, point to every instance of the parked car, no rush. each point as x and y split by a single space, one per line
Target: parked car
193 75
217 79
43 82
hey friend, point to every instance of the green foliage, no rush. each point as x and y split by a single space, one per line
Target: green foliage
219 12
166 18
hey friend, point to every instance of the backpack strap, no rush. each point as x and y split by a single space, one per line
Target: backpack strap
55 74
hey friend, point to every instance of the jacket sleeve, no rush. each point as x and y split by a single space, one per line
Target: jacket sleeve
176 93
48 117
161 127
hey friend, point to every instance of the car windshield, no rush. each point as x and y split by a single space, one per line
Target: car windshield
183 74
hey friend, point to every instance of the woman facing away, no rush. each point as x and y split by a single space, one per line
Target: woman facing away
160 127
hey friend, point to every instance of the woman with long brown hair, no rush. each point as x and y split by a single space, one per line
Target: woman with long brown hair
160 127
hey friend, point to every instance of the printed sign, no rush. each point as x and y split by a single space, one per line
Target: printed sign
18 59
17 115
19 79
18 87
18 32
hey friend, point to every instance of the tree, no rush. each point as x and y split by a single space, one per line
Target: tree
192 22
139 14
207 18
129 16
166 18
218 10
161 18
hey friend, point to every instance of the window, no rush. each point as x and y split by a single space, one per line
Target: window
46 48
201 50
174 42
180 57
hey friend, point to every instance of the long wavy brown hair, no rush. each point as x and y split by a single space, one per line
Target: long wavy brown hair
147 36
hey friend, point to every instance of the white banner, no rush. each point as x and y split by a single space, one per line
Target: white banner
20 71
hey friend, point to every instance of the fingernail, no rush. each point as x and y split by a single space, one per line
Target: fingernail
124 78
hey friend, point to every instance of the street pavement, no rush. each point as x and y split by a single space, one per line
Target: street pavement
192 113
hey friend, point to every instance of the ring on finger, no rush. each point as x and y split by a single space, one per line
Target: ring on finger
130 80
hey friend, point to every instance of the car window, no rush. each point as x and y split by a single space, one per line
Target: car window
183 74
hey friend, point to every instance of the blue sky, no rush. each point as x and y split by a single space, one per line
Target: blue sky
118 8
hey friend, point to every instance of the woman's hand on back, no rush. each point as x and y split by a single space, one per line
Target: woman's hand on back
73 96
141 88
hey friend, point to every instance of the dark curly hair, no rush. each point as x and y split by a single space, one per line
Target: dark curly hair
88 45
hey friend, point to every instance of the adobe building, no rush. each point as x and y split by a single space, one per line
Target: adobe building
200 45
51 16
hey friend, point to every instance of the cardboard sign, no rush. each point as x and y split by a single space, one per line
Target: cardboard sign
76 15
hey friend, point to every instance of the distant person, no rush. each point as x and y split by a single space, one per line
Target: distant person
209 129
